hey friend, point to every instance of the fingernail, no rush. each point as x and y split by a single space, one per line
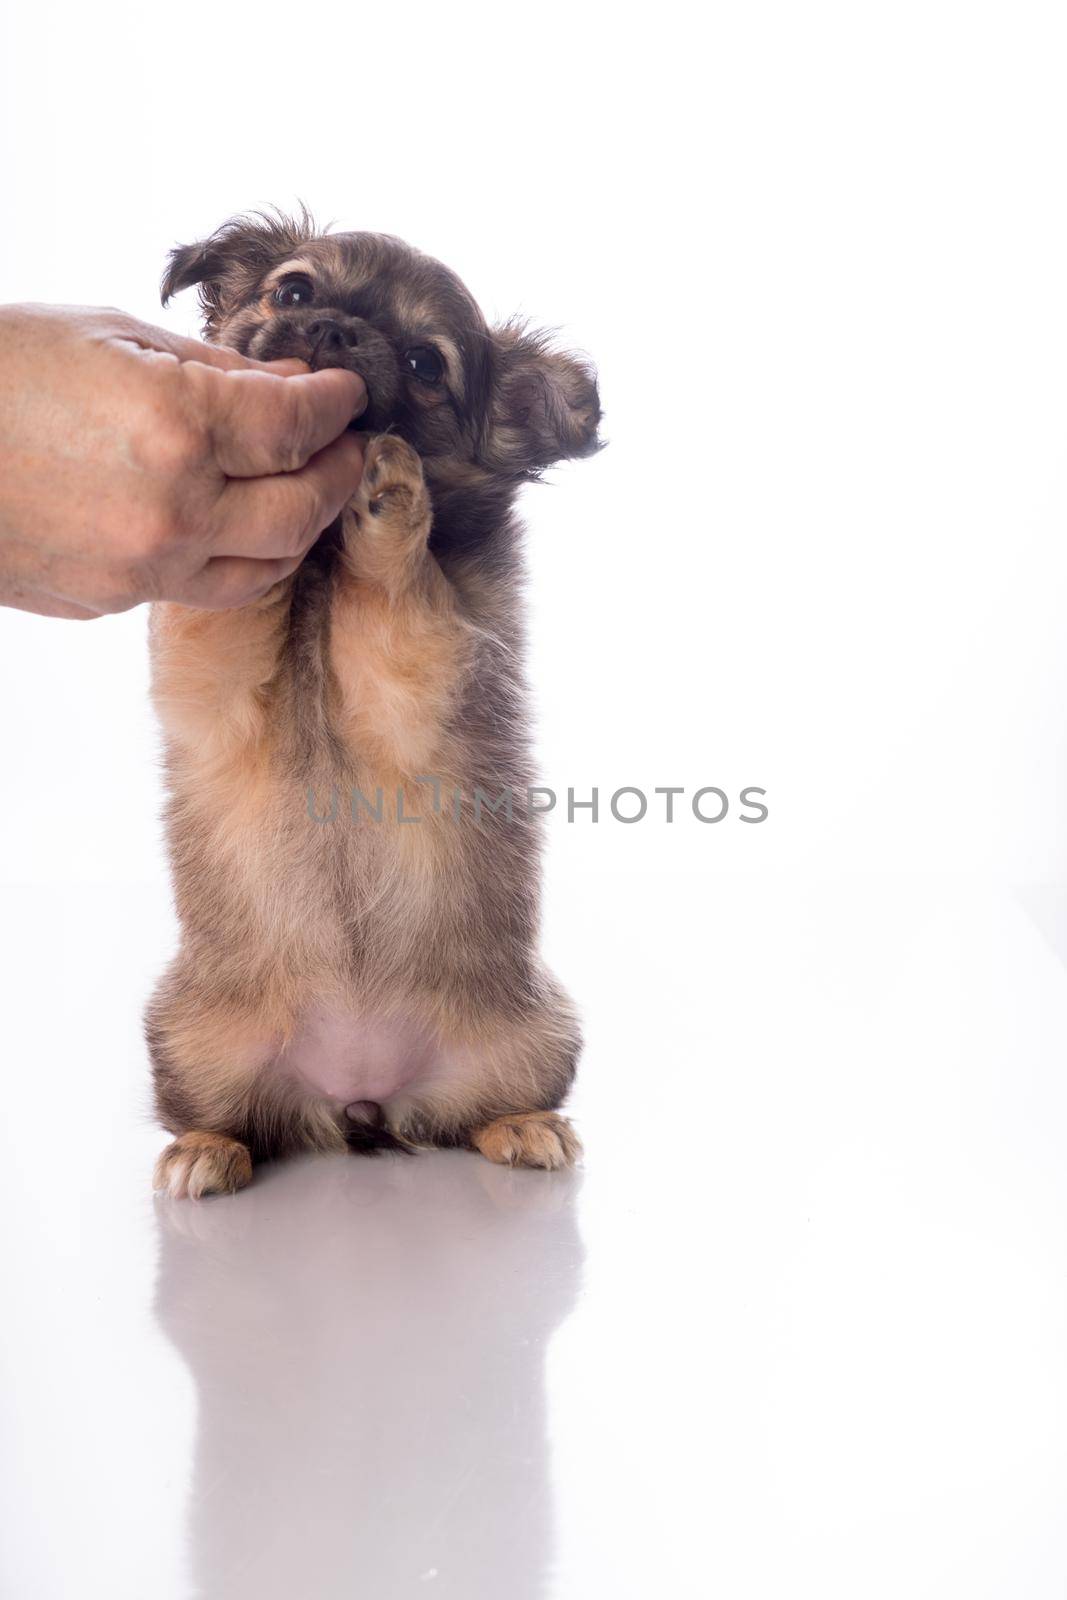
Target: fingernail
364 399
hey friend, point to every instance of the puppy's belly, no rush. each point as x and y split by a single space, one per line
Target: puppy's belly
349 1058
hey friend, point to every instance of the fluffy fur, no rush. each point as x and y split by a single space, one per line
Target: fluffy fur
392 654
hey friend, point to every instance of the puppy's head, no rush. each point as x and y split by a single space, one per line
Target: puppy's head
499 401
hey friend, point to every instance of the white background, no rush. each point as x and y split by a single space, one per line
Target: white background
819 255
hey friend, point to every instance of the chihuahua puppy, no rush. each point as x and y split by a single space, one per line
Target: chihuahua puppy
358 962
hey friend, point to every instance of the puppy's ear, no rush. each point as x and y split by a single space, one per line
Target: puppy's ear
227 266
545 404
189 264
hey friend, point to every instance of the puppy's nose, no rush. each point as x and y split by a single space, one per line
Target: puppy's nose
326 334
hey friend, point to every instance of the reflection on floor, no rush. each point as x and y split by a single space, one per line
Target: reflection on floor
367 1340
796 1329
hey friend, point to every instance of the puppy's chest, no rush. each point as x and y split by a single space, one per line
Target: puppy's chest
373 681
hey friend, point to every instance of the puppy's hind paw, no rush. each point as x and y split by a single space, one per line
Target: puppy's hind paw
529 1139
202 1163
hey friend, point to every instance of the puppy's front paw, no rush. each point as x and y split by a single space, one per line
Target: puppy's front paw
387 523
393 490
202 1163
529 1139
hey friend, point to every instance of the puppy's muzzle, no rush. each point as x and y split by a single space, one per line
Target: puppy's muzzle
329 338
332 338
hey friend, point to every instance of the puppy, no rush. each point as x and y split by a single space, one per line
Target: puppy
348 976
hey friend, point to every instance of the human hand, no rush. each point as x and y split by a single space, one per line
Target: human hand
138 465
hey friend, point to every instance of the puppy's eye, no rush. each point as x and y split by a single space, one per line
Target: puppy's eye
425 363
294 291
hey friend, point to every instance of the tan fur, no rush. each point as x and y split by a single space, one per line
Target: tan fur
399 647
202 1163
535 1139
212 669
398 643
365 674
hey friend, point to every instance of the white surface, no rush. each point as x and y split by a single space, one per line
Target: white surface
798 1329
818 255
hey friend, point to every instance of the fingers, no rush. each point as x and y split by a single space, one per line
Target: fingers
281 517
229 581
288 366
259 423
41 603
69 610
149 340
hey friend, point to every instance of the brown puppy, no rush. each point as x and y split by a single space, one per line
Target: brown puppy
347 975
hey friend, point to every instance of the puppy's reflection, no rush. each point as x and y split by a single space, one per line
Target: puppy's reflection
367 1340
